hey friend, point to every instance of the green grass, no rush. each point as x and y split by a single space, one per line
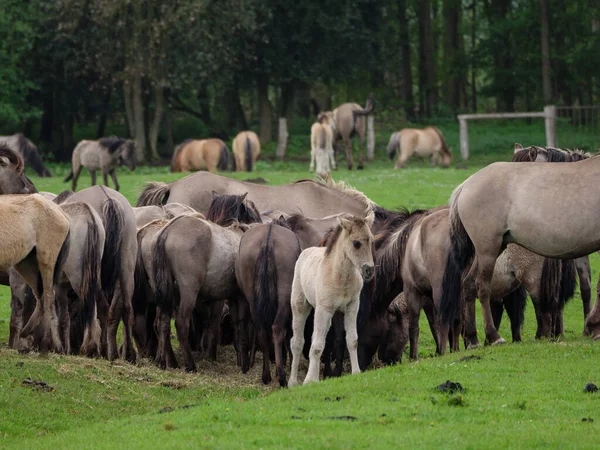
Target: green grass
518 395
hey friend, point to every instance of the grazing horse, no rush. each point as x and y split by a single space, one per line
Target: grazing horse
321 146
193 154
34 234
193 260
12 176
330 279
117 266
18 143
428 142
308 197
81 273
347 120
246 148
105 154
529 204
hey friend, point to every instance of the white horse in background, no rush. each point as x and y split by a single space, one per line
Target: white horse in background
330 279
426 142
321 146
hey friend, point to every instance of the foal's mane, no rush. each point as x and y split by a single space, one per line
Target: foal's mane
13 157
111 143
225 209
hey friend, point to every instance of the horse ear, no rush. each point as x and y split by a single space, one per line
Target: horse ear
281 218
243 196
214 194
533 153
344 223
518 147
370 219
4 161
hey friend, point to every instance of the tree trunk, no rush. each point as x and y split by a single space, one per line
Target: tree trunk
127 97
546 79
427 74
265 110
288 92
169 128
473 59
158 116
47 116
370 137
101 129
505 99
204 103
282 139
453 69
304 102
138 118
407 82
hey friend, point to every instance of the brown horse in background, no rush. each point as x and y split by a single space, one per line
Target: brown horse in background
246 148
428 142
204 154
347 120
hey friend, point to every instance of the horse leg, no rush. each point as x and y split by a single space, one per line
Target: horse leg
497 307
350 316
105 178
115 312
93 175
413 302
214 329
300 311
429 309
592 323
512 309
348 145
127 286
103 319
113 175
486 265
434 160
322 324
402 158
265 345
64 319
187 303
361 140
279 333
16 319
332 158
585 286
339 344
311 166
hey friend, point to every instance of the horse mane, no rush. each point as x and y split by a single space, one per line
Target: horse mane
346 189
13 157
553 154
225 209
445 148
175 164
111 143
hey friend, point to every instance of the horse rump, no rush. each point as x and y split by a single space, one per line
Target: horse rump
248 154
265 285
114 222
175 164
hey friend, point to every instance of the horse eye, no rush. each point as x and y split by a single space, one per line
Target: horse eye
356 244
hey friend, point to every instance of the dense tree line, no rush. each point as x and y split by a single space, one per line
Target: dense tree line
238 63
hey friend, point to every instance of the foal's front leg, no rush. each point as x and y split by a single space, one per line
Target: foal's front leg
350 316
323 317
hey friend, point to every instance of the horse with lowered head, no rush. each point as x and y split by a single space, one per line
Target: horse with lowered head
12 176
204 154
246 148
330 279
20 144
106 155
428 142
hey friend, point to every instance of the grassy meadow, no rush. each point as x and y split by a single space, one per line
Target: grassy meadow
516 396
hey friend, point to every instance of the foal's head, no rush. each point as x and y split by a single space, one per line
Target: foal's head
356 241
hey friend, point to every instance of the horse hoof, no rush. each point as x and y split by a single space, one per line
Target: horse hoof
473 346
596 337
499 341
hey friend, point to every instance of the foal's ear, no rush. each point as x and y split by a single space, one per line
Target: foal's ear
344 223
214 195
518 148
243 196
4 161
370 219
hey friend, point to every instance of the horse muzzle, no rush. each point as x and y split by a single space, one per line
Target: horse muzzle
367 271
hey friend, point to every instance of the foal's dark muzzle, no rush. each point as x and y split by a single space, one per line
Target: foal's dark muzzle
367 271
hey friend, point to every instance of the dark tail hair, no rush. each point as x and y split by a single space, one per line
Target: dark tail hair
90 272
393 145
69 177
248 154
60 261
155 193
550 284
568 281
176 155
265 285
461 254
223 159
165 287
114 222
518 299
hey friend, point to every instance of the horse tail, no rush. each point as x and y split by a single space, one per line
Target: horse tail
550 284
155 193
114 223
69 177
60 261
175 163
461 254
445 148
90 280
223 159
393 145
248 154
368 109
140 280
265 285
568 281
164 281
518 298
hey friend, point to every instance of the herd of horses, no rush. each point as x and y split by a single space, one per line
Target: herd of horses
311 267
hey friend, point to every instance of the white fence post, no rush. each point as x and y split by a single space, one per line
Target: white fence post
550 122
464 138
370 138
282 139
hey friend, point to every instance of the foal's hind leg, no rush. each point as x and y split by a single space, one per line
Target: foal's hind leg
113 175
322 324
279 333
300 311
486 262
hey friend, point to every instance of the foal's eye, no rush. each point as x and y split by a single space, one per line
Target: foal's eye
356 244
